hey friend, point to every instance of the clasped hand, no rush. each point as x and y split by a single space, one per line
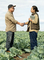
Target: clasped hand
21 24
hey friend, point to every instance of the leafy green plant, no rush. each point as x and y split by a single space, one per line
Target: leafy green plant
22 41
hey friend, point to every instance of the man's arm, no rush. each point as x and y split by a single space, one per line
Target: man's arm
11 18
26 23
21 24
14 21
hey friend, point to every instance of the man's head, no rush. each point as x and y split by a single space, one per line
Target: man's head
11 7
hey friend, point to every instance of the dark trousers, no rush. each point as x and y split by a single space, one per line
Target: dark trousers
33 39
10 39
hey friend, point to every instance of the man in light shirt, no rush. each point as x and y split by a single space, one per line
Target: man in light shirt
10 26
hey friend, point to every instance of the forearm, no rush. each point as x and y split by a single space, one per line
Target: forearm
18 23
25 23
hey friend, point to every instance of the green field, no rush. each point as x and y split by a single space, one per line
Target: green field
22 42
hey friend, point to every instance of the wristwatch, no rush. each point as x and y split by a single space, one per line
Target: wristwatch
24 24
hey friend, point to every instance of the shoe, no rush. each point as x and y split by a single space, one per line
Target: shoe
7 51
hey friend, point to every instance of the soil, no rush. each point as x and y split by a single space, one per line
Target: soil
24 55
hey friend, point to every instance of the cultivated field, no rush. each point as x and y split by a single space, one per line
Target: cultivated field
21 47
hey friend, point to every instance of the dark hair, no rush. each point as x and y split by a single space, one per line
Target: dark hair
35 8
10 5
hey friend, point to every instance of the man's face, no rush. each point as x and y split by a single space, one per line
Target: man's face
12 9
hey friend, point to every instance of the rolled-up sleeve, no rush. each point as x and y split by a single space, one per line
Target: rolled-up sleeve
10 17
35 21
26 22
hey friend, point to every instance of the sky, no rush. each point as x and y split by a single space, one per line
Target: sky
22 11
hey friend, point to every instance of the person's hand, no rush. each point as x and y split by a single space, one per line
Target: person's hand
30 19
21 24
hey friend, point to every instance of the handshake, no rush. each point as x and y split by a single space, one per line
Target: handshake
22 24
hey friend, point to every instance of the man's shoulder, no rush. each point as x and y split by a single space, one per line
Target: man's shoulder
7 13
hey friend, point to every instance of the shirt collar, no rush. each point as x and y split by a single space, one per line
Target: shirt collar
10 12
33 13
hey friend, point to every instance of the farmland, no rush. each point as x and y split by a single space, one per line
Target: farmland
22 45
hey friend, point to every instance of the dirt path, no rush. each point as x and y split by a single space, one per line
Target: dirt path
24 55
